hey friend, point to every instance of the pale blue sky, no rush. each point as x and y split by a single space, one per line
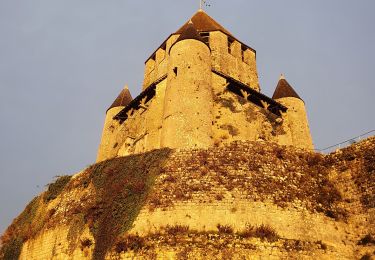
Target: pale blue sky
63 62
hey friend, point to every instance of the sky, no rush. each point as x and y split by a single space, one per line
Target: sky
63 62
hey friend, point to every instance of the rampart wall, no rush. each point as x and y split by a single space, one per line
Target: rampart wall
319 206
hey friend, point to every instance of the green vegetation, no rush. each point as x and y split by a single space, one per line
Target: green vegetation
55 188
12 249
121 185
31 221
176 229
224 229
130 243
264 232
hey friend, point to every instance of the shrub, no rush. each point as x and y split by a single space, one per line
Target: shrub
130 242
11 250
225 229
265 232
366 257
54 189
248 232
219 197
176 229
367 240
86 243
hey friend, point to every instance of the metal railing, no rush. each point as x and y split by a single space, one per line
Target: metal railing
346 142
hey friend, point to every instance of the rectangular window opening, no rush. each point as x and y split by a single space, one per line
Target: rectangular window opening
206 37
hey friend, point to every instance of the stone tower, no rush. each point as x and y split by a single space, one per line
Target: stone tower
296 116
107 143
201 89
187 119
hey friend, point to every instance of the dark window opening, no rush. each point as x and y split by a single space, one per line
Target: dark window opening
175 70
230 42
206 37
243 49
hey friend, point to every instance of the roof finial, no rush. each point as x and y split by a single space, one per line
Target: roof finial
126 87
282 76
202 3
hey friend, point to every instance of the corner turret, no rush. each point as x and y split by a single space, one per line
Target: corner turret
108 148
296 116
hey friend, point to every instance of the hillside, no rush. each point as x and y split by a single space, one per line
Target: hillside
245 199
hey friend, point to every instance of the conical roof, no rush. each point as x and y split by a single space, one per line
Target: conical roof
190 32
123 99
203 23
284 89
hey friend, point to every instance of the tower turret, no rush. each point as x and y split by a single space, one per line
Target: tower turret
296 116
107 147
187 119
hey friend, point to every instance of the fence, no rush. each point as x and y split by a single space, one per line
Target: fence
345 143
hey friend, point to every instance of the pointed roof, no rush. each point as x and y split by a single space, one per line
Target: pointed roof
203 23
190 32
284 89
123 99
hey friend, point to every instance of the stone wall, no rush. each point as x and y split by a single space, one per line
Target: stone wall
234 59
235 118
319 206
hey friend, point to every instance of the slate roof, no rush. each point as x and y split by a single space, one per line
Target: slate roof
190 32
123 99
284 89
203 23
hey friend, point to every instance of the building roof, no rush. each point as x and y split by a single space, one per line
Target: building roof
190 32
123 99
284 89
203 23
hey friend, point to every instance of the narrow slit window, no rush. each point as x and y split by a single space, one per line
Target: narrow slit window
230 43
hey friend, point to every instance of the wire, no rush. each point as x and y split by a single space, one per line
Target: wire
351 139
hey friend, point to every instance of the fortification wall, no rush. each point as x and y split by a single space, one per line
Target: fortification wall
55 244
236 119
233 59
319 206
157 65
141 132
